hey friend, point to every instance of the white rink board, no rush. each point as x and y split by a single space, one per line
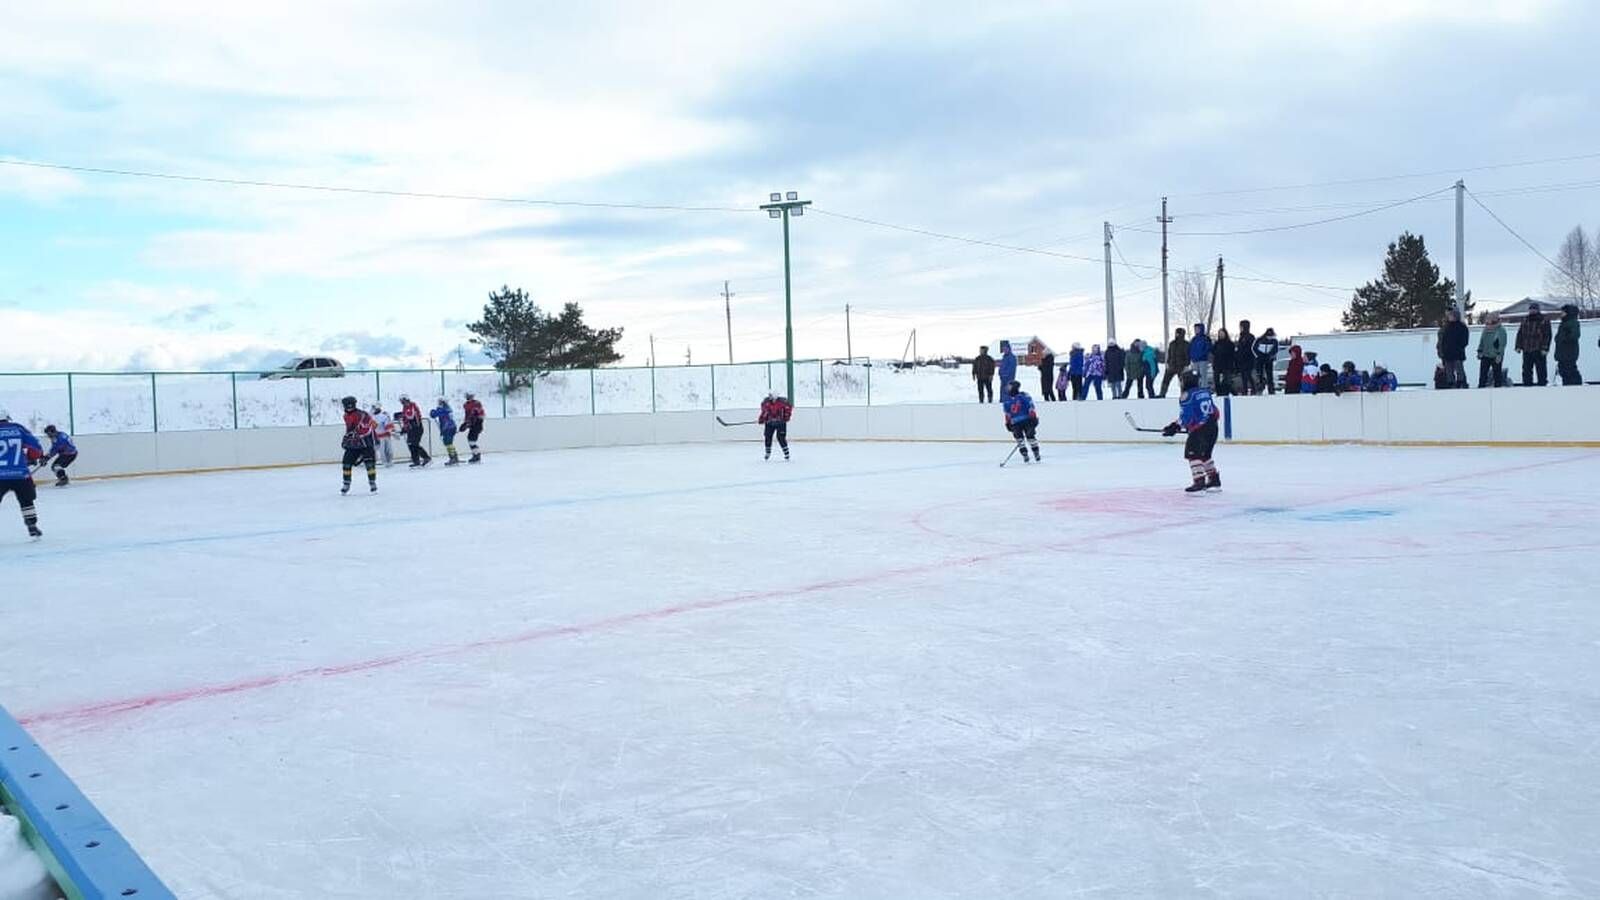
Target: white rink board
880 670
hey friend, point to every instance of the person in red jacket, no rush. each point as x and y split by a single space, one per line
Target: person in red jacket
412 422
360 443
775 412
472 424
1297 368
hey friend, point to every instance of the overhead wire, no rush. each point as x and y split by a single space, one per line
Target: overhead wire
1526 243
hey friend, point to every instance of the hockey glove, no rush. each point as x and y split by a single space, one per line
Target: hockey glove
1170 430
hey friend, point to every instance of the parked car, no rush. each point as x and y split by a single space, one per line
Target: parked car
308 367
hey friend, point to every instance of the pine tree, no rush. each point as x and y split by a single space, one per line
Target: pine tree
1409 294
524 340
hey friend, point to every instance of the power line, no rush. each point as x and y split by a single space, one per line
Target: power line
371 192
1380 178
1513 232
1297 225
1125 260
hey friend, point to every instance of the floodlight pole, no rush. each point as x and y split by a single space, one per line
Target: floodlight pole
784 208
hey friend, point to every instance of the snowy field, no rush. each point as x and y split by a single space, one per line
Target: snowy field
877 671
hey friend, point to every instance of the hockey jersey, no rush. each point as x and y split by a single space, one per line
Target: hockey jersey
359 428
446 418
1196 408
775 409
62 445
472 411
1384 383
383 426
1019 408
18 448
410 415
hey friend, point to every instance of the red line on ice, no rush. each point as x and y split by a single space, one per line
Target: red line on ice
93 713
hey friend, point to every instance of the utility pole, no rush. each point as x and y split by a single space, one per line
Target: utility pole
1166 327
652 351
1111 309
849 351
783 206
1461 249
727 307
1222 291
688 356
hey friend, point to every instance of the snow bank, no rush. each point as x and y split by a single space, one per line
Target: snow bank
22 874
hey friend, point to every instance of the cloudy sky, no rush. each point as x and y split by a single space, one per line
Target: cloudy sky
1018 123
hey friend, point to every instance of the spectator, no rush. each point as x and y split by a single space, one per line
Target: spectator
1200 353
1094 373
1008 364
1047 375
1327 380
1134 369
1567 346
1533 342
1266 357
1492 353
1296 371
1383 380
983 374
1075 360
1150 366
1349 379
1225 359
1453 340
1064 383
1115 358
1245 348
1308 377
1177 358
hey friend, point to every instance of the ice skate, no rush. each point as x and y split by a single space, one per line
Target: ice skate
475 458
34 532
1198 486
344 490
1214 483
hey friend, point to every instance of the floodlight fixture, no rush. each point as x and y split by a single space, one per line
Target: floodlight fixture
775 197
792 196
774 213
799 210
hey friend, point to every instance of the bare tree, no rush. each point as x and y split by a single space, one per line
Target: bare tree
1189 298
1577 269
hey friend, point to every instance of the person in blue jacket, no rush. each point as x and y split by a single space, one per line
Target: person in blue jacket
1197 415
1200 352
18 451
1022 419
446 418
61 453
1383 380
1075 366
1008 364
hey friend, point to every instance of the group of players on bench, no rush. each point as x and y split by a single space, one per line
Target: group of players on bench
1197 416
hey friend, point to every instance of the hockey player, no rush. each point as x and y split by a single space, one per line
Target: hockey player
1022 420
1197 415
472 424
61 453
360 438
383 431
19 449
411 422
775 413
446 417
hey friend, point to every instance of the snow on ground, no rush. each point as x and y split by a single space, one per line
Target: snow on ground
878 671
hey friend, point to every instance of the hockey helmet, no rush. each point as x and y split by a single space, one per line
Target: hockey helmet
376 408
50 430
444 403
1014 388
349 403
471 396
4 416
1191 379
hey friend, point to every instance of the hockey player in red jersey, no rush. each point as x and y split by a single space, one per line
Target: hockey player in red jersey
472 424
775 413
360 442
412 422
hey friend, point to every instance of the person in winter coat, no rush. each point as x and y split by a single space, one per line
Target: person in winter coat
983 375
1265 353
1075 362
1308 377
1383 380
1150 367
1094 373
1567 346
1133 371
1064 383
1349 380
1245 348
1225 358
1453 340
1008 364
1177 359
1200 353
1533 342
1115 357
1296 371
1492 353
1327 380
1047 377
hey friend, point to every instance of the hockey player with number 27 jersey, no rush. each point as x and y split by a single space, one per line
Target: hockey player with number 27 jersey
1197 415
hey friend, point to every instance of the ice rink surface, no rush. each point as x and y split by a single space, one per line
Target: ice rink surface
876 671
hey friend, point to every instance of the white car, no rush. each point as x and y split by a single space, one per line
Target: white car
308 367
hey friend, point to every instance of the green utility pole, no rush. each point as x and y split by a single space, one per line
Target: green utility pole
783 206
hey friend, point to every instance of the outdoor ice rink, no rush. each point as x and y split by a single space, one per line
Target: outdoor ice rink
877 671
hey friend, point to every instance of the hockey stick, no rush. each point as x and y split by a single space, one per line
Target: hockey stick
1009 455
1136 427
731 424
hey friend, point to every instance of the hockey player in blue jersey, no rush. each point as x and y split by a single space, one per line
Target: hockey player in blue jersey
61 453
1022 419
1197 415
446 418
18 451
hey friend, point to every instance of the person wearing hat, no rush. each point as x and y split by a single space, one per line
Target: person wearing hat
19 449
983 374
1533 342
1567 345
